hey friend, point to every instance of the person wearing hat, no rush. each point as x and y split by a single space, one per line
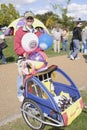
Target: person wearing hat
28 27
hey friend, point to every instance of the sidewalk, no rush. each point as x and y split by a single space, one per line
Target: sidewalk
10 106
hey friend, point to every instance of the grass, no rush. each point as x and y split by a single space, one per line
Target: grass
11 55
80 123
9 51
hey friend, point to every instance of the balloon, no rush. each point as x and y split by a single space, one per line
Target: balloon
29 42
45 41
39 59
25 69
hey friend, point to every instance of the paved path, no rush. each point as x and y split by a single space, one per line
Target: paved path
9 105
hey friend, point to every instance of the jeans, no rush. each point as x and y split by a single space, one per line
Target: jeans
76 46
84 49
65 45
2 57
20 91
19 84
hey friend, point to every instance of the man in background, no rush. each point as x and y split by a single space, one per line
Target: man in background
76 38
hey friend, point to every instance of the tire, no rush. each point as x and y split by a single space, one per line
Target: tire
32 108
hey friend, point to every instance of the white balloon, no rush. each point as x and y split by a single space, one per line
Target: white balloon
29 42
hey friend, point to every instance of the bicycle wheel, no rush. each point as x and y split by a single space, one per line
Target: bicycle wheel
31 112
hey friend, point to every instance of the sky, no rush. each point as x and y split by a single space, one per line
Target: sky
76 8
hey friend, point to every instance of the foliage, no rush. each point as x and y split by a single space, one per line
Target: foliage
65 20
7 14
52 20
44 17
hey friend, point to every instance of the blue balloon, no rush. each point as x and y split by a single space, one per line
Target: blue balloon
45 41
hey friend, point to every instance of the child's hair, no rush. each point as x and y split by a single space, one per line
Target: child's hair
30 83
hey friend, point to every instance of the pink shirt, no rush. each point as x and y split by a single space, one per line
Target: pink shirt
17 40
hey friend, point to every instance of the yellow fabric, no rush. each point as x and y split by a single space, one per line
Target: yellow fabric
54 76
73 111
48 86
37 65
64 94
35 24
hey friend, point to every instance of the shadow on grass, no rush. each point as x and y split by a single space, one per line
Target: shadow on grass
85 111
10 59
56 128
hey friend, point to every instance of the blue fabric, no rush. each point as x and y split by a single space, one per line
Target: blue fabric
19 84
76 46
65 45
2 57
84 47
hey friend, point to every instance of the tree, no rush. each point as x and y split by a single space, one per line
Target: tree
8 14
49 19
65 20
44 17
52 20
13 13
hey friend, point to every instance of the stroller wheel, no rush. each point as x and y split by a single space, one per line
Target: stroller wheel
31 112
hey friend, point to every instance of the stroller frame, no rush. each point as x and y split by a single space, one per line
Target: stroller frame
38 111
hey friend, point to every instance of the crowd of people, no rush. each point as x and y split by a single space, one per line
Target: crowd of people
60 36
77 43
61 41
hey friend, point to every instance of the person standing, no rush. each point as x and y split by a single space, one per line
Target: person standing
84 40
2 39
28 27
56 33
65 35
76 39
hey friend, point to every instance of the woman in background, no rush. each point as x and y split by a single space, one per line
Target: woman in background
2 39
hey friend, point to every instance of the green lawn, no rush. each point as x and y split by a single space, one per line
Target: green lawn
9 51
80 123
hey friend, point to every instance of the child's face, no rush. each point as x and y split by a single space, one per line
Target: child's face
29 88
